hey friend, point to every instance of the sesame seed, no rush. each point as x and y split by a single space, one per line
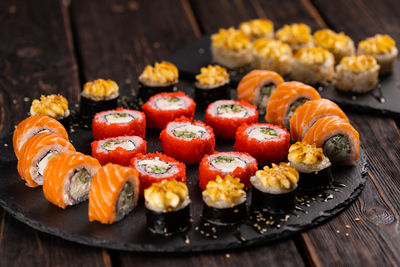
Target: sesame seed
347 226
202 232
264 230
77 105
337 231
227 255
357 219
201 50
346 234
213 229
196 228
14 101
207 234
26 99
6 145
278 226
235 211
206 224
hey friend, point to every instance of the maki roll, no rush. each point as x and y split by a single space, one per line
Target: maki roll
231 48
339 44
98 95
118 122
225 116
258 28
187 141
224 201
34 125
155 167
113 194
54 106
167 207
119 150
36 153
236 164
274 189
286 98
211 84
358 74
313 65
297 35
265 142
67 178
166 107
383 48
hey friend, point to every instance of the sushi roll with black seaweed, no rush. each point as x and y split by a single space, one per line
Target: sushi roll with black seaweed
339 44
167 207
224 201
297 35
258 28
54 106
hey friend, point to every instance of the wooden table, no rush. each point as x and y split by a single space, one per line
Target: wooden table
55 46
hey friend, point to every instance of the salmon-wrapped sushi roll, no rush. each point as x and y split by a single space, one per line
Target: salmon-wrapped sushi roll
338 139
286 98
307 114
113 194
67 178
36 153
32 126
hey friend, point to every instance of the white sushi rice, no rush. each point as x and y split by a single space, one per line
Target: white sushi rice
231 58
223 204
146 166
215 110
165 103
174 128
257 132
314 168
257 183
129 116
386 61
160 209
357 82
283 65
313 73
128 143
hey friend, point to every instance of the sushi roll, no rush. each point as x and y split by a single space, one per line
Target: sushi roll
119 150
258 28
313 65
274 189
34 125
225 116
286 98
113 194
211 84
187 141
155 167
98 95
306 115
267 143
272 55
297 35
118 122
163 108
167 207
237 164
338 139
257 86
358 74
67 178
54 106
224 201
311 163
383 48
339 44
36 153
231 48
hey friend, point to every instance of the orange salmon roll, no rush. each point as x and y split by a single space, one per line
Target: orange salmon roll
67 178
113 194
286 98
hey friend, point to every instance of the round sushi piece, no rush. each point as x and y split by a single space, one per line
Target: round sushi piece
34 125
297 35
36 153
237 164
98 95
358 74
257 86
155 167
118 122
383 48
113 194
272 55
167 207
265 142
119 150
224 201
286 98
225 116
313 65
274 189
163 108
338 139
258 28
187 141
339 44
54 106
231 48
67 178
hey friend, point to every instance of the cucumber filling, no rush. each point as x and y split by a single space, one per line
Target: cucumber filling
125 200
42 164
337 148
231 111
189 131
170 103
119 117
80 185
265 93
160 169
185 134
227 163
263 133
295 105
113 144
155 166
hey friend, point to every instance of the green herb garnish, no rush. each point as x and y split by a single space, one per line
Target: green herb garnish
223 159
231 108
295 105
173 99
185 134
125 197
266 90
159 170
118 115
112 143
83 176
268 131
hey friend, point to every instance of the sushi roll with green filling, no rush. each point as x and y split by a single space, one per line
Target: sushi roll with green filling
54 106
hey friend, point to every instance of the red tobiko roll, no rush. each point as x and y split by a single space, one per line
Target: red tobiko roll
225 116
119 150
118 122
235 164
165 107
155 167
187 141
266 142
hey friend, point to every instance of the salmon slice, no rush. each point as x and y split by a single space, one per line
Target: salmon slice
106 192
307 114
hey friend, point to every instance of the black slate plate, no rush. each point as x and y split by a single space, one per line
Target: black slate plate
383 100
